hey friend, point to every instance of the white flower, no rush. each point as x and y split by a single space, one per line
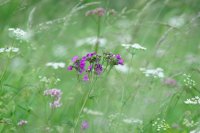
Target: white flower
123 68
92 112
19 34
158 72
22 122
91 41
9 49
132 121
193 101
176 21
59 50
55 65
134 46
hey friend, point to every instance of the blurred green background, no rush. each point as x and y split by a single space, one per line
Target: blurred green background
169 29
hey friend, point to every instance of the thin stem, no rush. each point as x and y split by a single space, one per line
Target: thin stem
98 34
82 107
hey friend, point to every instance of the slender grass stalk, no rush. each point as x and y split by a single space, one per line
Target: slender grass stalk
82 107
98 34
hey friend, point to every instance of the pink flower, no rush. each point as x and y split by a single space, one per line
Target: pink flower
22 122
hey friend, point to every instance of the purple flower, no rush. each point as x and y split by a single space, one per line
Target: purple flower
85 77
170 82
70 68
89 68
118 56
98 68
84 125
120 60
89 55
56 94
75 58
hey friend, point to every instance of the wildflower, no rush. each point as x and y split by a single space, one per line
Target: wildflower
189 82
75 58
93 62
120 60
56 95
19 34
55 65
84 125
193 101
86 78
170 82
158 72
189 123
89 68
9 49
98 69
123 68
70 68
135 46
160 124
98 11
132 121
22 122
176 21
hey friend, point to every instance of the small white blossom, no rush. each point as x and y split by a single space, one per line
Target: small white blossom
123 68
176 21
22 122
55 65
134 46
193 101
91 41
19 34
189 123
160 124
9 49
158 72
92 112
132 121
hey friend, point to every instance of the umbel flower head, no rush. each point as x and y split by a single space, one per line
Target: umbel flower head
93 63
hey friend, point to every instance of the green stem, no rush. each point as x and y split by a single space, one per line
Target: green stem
98 34
82 107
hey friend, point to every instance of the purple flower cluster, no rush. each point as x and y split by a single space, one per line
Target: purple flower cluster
56 94
84 125
98 11
93 63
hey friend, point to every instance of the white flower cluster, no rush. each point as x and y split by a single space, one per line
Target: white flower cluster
158 72
56 94
134 46
9 49
22 122
123 68
55 65
177 21
160 124
194 100
132 121
91 41
189 82
48 80
189 123
92 112
19 34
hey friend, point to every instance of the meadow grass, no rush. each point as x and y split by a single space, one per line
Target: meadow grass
156 90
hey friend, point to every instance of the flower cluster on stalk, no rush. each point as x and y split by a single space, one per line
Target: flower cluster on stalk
95 64
56 94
